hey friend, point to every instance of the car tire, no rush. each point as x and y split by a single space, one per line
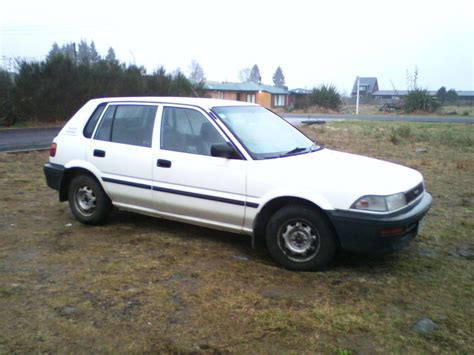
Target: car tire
300 238
88 201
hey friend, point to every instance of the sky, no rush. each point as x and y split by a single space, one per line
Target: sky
314 42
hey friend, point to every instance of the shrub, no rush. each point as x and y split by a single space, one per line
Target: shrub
420 100
325 96
6 87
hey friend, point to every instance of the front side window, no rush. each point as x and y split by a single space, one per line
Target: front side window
128 124
188 131
262 133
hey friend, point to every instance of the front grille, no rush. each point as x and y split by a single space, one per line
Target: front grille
414 193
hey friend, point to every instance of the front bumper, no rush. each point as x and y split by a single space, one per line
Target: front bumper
54 175
364 233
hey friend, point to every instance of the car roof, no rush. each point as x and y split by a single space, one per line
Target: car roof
194 101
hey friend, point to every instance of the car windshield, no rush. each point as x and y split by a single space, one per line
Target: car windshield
264 134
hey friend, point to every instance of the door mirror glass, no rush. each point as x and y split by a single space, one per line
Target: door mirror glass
224 150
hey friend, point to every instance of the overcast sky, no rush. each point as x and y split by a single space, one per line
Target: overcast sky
314 42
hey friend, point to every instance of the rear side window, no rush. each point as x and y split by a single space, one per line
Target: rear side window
90 126
128 124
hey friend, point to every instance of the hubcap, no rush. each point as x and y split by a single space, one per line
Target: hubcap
85 200
298 240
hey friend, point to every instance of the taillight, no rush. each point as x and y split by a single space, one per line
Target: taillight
52 149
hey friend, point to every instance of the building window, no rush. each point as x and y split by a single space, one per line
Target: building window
220 95
278 100
251 98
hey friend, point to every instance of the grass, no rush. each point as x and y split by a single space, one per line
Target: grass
139 284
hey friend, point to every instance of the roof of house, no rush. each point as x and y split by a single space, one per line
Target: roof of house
300 91
370 82
248 86
463 93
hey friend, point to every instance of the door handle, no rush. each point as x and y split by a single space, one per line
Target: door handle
161 163
99 153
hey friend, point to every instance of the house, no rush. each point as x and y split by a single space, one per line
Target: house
299 98
367 86
265 95
464 96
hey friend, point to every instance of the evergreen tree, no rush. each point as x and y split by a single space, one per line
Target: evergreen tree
279 78
255 75
110 57
94 55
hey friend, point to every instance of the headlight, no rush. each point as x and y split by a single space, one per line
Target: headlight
380 203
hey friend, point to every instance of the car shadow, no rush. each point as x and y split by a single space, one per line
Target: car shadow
242 244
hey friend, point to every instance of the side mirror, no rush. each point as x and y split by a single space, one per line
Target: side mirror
223 150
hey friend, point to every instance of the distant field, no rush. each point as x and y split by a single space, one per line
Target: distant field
139 284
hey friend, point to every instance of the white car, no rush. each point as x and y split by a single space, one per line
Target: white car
233 166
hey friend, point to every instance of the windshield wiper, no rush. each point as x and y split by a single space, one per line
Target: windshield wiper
293 151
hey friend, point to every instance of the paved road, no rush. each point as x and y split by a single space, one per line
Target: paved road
298 118
26 138
40 138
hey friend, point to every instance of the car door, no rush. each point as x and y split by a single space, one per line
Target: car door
189 183
121 150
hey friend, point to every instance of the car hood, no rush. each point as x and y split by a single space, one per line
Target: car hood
338 178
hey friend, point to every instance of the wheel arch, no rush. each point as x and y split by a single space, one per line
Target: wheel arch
270 207
69 174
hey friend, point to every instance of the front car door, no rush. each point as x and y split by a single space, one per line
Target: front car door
189 183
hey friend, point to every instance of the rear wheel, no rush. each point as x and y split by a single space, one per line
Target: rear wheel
88 201
300 238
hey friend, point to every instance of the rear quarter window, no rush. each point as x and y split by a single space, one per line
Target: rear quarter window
92 122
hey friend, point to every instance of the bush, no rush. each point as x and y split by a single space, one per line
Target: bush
420 100
55 88
6 87
325 96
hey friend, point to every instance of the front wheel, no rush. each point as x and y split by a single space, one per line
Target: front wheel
300 238
88 201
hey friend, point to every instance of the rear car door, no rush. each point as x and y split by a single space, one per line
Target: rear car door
122 150
191 184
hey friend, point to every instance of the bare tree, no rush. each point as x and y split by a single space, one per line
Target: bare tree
412 79
244 75
196 73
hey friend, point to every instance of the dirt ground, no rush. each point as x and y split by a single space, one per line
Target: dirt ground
140 284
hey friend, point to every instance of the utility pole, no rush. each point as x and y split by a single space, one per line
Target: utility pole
357 99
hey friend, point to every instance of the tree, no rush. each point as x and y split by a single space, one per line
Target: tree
419 100
6 87
412 79
325 96
196 74
255 75
110 57
278 78
94 55
87 54
244 75
445 96
55 50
